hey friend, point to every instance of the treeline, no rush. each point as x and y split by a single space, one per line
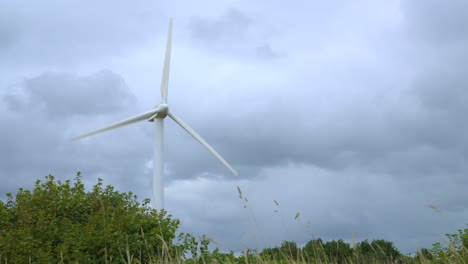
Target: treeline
61 222
336 251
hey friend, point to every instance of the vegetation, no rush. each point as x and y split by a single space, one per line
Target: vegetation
61 222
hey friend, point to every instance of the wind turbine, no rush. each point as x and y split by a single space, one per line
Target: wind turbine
157 115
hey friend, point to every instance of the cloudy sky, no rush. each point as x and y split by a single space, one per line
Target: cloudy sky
348 112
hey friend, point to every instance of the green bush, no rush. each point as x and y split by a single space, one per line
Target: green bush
62 222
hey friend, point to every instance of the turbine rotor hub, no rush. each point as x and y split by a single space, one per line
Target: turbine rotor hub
163 110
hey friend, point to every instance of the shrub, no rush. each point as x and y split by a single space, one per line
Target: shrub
62 222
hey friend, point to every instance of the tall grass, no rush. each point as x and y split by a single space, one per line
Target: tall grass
181 254
453 253
190 250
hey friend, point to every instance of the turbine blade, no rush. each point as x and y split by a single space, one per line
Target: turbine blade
122 123
202 141
167 62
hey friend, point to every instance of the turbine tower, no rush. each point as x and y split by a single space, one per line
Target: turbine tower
157 115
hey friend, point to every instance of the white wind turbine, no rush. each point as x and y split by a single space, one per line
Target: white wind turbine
157 115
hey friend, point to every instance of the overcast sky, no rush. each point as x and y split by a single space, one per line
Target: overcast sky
348 112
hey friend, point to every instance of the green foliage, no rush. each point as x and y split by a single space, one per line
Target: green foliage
271 254
338 251
458 240
313 245
314 250
380 250
288 251
62 222
385 249
456 250
424 254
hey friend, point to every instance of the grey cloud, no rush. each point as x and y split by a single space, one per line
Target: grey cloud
230 27
234 32
54 32
61 95
438 22
384 140
7 33
55 106
444 90
265 51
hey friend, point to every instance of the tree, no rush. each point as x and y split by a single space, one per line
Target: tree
457 247
62 222
364 248
272 254
314 250
290 250
385 249
379 249
459 240
338 251
424 254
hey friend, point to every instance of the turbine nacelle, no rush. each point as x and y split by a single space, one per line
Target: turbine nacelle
162 112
